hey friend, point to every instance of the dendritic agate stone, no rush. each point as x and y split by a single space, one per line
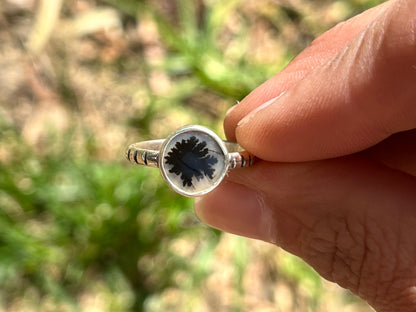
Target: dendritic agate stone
193 161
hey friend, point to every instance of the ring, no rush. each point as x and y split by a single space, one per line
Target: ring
193 160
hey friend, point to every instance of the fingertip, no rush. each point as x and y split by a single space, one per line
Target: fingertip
344 105
241 112
314 123
236 209
230 121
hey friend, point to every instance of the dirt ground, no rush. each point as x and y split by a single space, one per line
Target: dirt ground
84 67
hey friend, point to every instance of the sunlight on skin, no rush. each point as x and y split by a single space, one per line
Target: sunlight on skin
337 182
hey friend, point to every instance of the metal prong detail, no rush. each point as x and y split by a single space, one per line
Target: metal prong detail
144 157
152 159
144 153
128 154
135 157
233 162
240 160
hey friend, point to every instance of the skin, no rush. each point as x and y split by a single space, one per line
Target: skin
335 181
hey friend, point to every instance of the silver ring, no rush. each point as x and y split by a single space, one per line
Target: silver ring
193 160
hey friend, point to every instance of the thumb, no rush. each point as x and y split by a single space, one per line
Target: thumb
353 101
352 220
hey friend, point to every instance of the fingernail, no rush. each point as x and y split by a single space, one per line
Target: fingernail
232 108
256 110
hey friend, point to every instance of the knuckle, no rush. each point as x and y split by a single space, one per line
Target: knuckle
336 249
352 252
375 263
382 70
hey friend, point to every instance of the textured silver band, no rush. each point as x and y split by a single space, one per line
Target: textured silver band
193 160
147 153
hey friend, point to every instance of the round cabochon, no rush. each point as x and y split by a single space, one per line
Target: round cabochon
193 160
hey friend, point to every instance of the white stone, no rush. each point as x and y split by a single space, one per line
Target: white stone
193 161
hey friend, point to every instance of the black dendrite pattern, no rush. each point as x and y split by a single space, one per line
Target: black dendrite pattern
189 159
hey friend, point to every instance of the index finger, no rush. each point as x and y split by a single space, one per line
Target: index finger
320 50
348 103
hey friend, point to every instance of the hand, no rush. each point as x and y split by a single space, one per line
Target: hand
336 184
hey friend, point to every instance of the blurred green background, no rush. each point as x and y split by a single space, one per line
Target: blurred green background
83 230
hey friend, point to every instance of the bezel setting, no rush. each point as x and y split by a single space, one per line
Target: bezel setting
193 161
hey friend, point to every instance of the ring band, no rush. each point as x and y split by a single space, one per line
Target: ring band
193 160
